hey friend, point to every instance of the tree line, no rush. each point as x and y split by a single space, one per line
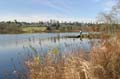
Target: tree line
106 22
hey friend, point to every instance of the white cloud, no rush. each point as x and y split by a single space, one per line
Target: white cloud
62 13
43 17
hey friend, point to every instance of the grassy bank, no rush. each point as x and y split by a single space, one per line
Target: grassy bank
15 27
33 29
102 62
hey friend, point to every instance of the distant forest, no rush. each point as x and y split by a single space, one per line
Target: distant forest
14 27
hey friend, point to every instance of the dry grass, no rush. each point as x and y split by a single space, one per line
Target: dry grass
105 60
68 67
104 63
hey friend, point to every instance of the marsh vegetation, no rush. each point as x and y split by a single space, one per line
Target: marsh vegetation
101 63
42 51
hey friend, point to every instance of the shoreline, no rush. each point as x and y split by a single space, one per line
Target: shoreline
54 31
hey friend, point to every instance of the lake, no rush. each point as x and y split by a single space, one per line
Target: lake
15 48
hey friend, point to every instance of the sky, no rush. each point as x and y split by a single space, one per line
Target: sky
43 10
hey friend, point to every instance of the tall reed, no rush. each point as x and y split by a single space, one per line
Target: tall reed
103 63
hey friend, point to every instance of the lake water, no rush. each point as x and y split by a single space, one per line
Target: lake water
14 49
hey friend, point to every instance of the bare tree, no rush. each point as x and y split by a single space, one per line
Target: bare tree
111 18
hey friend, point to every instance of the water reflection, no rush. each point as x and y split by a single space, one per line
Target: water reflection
17 47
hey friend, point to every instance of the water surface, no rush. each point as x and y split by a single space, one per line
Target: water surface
15 48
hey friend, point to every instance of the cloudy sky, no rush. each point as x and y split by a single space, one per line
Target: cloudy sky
35 10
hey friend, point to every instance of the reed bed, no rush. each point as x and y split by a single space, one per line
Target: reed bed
105 60
103 63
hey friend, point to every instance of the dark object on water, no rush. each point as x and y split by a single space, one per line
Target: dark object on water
73 36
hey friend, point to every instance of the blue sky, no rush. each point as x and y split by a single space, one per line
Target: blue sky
35 10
